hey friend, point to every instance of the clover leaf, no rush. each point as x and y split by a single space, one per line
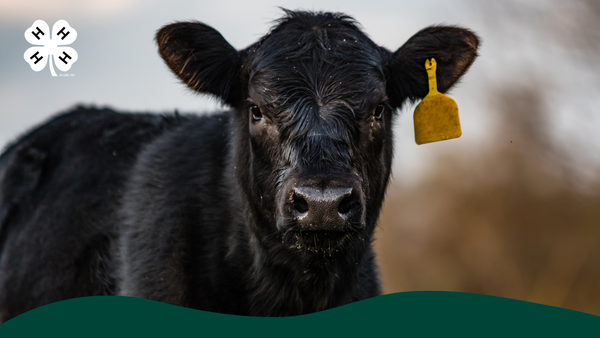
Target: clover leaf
51 44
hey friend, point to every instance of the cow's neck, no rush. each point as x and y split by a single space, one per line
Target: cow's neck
290 288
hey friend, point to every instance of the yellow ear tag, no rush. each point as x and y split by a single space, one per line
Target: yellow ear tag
436 117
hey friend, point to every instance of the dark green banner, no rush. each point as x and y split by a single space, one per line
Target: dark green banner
413 314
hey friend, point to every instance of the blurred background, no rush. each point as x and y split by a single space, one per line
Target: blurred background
510 209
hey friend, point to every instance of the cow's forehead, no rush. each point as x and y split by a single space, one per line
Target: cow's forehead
350 84
325 63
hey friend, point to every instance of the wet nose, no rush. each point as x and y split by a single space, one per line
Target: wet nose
325 209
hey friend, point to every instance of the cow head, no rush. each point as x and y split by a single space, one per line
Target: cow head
314 102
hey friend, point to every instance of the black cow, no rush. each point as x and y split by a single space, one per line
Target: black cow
267 209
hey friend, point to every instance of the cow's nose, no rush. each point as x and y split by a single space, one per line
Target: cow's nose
325 209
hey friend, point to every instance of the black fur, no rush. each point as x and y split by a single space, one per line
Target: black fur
199 211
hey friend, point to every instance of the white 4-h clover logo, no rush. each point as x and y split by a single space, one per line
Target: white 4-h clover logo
51 44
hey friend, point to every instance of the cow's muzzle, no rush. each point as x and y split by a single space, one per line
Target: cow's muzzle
321 205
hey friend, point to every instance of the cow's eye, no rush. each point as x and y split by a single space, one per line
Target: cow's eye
256 113
379 112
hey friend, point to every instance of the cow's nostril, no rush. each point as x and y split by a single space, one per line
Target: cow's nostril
299 203
347 203
329 208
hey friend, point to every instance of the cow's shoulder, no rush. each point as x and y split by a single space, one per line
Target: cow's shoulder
184 166
177 205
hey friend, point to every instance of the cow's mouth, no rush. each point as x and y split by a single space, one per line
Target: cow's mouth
325 242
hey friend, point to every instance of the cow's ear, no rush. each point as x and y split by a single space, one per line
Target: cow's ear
201 58
454 50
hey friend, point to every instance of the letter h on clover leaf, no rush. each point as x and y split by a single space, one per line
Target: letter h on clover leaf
50 43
